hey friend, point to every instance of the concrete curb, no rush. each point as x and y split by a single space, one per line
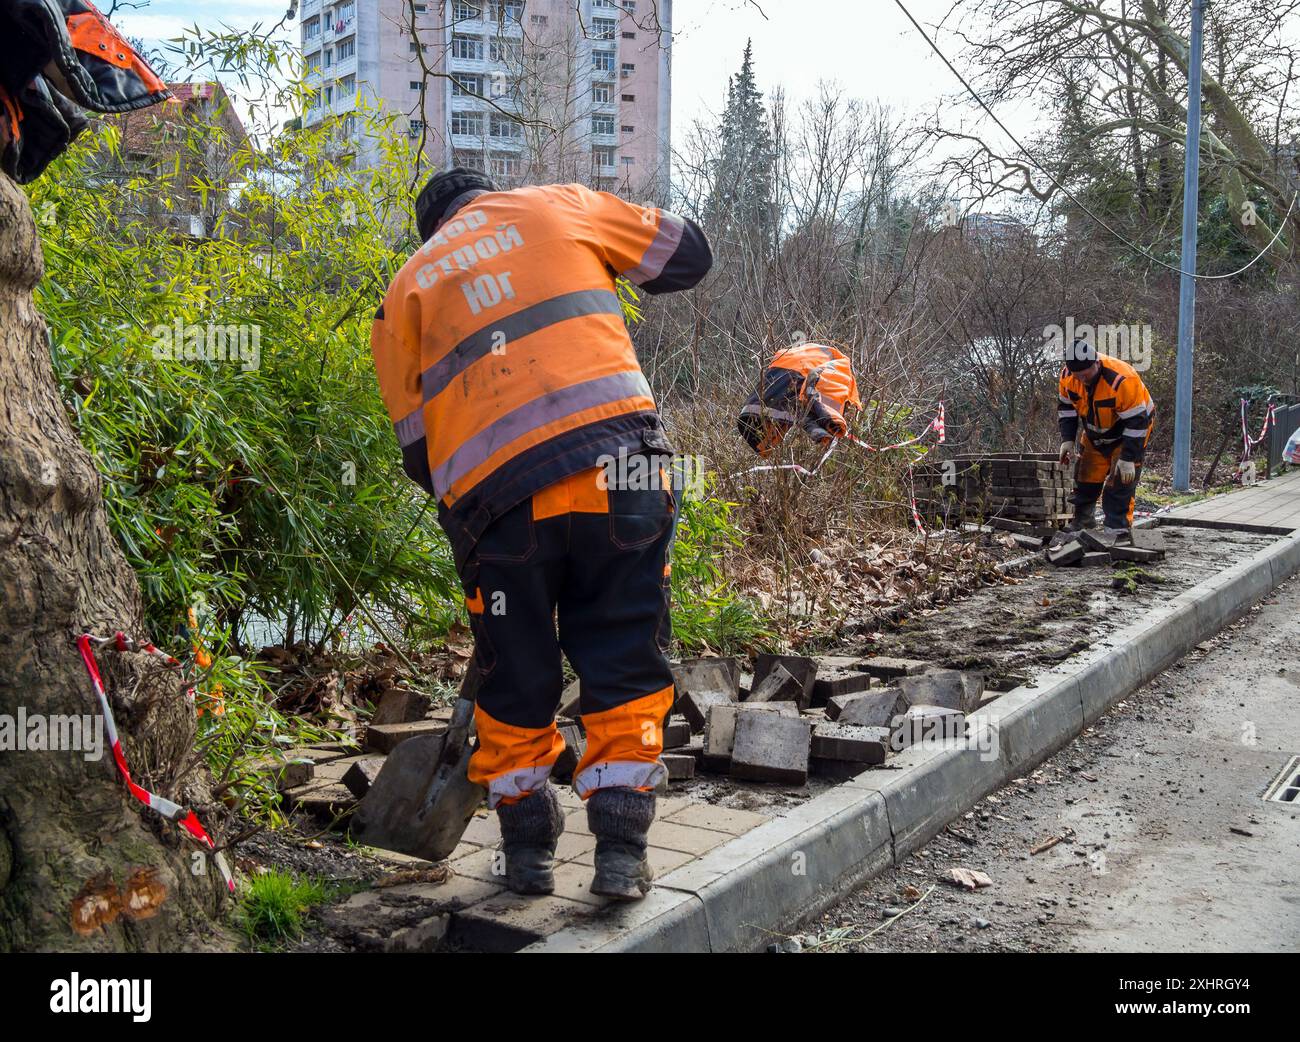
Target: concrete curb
736 896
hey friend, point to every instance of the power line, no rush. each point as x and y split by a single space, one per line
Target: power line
1070 195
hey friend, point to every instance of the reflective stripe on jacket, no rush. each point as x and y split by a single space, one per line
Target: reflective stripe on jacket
1117 408
501 350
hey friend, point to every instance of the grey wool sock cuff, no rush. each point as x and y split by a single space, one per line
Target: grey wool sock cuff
621 814
536 820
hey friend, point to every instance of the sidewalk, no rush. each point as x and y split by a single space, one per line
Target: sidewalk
1272 506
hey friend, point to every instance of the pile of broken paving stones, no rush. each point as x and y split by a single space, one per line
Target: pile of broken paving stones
792 717
831 716
1092 548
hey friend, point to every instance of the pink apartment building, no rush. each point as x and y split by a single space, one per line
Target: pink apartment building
532 91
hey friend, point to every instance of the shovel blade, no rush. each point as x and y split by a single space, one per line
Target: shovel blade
419 805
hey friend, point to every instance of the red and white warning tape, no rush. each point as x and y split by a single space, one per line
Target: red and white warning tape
183 817
1247 442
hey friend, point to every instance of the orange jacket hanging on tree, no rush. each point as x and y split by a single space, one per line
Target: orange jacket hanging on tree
811 385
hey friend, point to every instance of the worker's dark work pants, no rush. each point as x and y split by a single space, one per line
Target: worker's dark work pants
593 561
1091 484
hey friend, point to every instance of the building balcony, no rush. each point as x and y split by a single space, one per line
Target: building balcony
345 66
475 65
604 139
468 142
340 28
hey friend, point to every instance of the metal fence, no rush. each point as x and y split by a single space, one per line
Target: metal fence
1286 418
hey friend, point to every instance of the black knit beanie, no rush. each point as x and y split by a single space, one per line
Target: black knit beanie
442 189
1080 356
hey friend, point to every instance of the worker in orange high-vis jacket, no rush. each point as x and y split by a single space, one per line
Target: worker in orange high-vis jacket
507 369
1108 395
809 385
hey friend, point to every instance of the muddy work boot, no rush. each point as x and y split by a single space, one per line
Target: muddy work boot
529 832
620 819
1081 521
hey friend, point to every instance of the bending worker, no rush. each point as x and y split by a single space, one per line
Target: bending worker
811 385
1118 414
510 377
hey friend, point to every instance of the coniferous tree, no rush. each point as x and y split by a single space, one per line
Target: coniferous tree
740 214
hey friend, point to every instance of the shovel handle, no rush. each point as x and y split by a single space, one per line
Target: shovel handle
461 725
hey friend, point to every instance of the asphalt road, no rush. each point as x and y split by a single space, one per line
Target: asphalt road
1163 841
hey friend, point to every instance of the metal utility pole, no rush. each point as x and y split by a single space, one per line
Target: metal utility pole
1187 283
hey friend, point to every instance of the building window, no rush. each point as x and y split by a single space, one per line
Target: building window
329 57
629 6
347 85
502 49
416 48
344 12
628 69
628 160
628 130
602 124
629 36
420 8
629 97
468 47
602 156
603 28
463 12
467 123
602 3
329 95
463 86
600 93
602 61
347 48
311 30
537 19
417 85
504 126
505 165
510 11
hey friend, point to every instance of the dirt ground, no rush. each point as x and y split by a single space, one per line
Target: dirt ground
1011 632
1163 841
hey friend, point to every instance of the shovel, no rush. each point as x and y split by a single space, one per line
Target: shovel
421 802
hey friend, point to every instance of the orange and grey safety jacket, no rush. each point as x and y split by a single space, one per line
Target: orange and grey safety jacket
58 57
501 350
811 385
1116 409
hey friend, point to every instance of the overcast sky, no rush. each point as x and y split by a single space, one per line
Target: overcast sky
866 45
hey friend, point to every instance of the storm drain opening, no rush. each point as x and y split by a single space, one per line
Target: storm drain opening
1286 787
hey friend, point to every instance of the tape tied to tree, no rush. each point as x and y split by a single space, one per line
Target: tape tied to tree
182 816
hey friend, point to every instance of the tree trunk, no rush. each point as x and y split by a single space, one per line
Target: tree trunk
68 825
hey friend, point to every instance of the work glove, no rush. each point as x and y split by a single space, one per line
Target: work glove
1067 453
1125 471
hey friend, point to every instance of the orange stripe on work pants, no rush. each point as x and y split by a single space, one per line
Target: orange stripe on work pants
510 762
623 745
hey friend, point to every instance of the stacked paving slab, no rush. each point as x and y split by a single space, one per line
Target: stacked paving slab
1022 486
